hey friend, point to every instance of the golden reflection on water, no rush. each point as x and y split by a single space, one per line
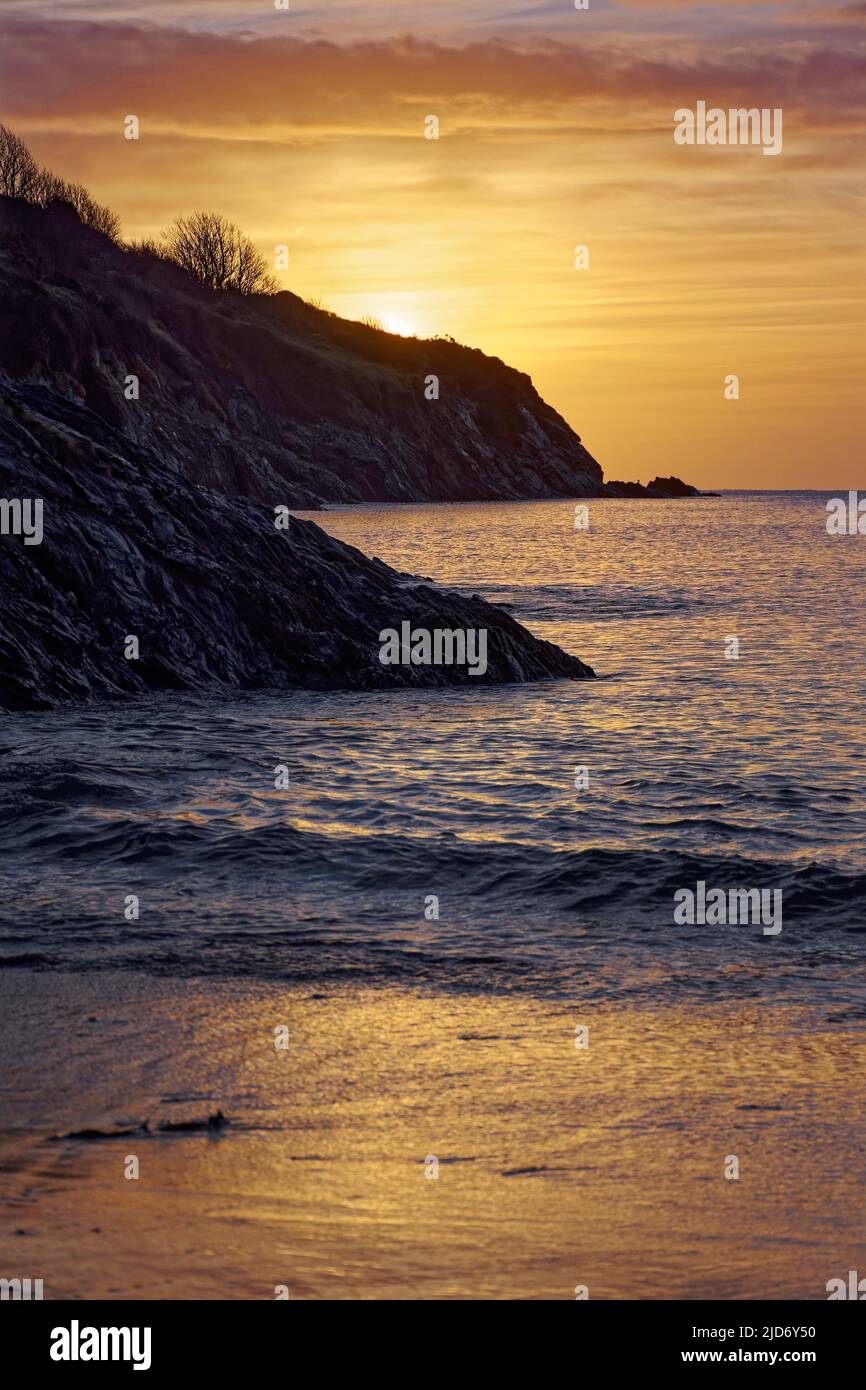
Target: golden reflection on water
557 1166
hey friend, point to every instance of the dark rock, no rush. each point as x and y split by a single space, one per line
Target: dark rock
658 487
619 489
228 602
92 1136
213 1124
671 487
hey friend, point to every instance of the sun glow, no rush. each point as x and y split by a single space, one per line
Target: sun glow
393 323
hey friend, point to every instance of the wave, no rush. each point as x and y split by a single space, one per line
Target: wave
592 879
588 602
278 902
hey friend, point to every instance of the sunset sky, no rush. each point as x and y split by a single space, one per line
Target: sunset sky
556 128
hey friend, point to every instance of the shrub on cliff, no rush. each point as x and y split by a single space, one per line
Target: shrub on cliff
216 253
21 177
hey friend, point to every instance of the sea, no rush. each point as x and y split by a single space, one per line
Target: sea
520 839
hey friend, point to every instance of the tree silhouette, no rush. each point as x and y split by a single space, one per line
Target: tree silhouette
218 254
21 177
18 169
211 249
48 188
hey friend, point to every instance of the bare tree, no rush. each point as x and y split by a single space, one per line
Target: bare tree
51 189
21 177
217 253
207 245
18 168
146 246
48 188
92 214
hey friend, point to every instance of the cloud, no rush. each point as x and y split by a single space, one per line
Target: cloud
700 4
854 13
67 71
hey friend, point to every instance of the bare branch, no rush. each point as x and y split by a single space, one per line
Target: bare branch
218 254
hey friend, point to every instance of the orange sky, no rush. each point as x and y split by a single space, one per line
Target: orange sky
556 128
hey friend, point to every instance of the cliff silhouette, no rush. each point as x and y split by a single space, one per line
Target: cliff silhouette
159 512
264 395
163 416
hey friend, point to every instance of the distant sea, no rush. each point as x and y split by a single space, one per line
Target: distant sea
439 838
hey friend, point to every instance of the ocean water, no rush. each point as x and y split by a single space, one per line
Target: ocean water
742 773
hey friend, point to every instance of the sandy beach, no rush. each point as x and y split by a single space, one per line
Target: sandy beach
558 1166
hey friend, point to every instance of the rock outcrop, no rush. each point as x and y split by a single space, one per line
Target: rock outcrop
214 594
657 487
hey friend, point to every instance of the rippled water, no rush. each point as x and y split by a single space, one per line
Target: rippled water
743 773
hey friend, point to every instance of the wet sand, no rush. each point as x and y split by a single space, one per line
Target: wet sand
558 1166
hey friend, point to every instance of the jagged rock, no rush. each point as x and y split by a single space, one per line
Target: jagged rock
657 487
216 595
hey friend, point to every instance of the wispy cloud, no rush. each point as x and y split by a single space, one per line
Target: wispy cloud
56 69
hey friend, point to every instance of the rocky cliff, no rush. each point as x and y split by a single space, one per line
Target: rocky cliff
157 427
213 593
266 396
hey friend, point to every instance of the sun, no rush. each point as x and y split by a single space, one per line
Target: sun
393 323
